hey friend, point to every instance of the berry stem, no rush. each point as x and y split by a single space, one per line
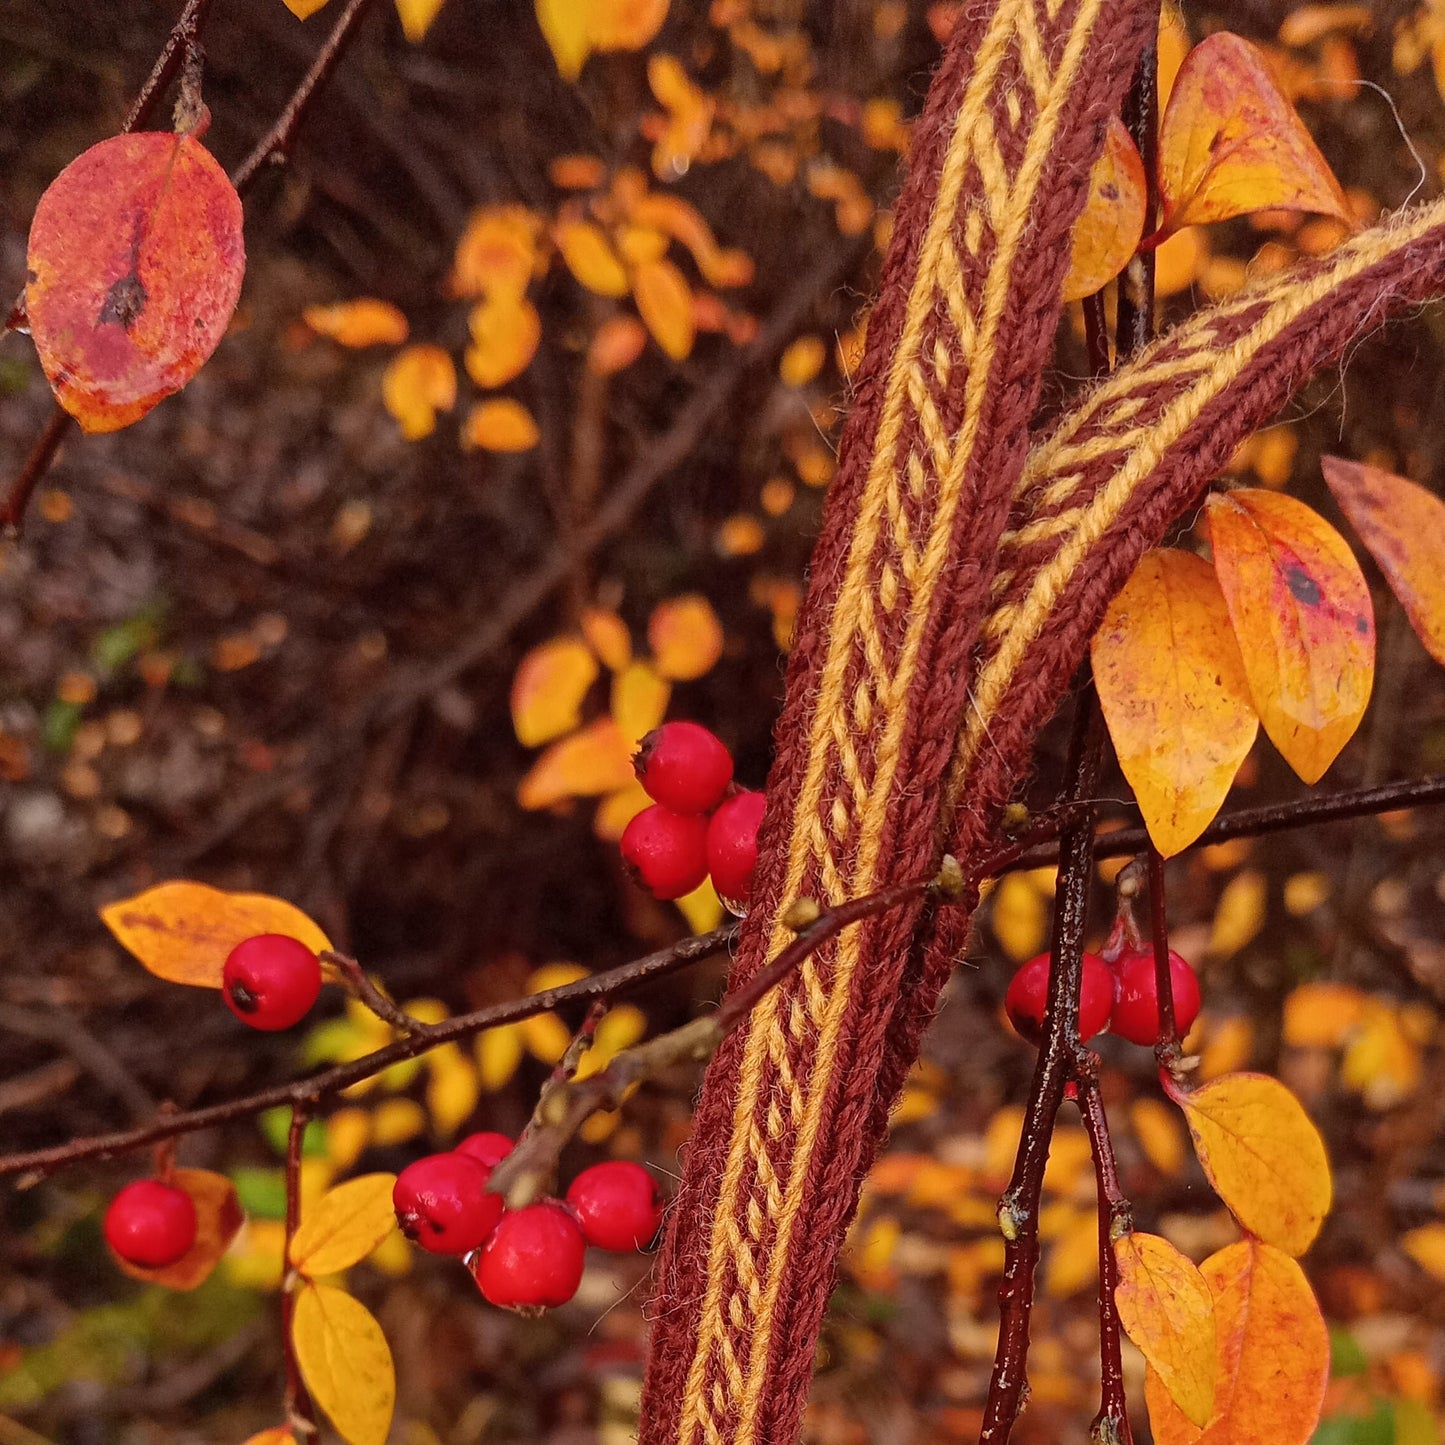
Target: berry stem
357 983
300 1413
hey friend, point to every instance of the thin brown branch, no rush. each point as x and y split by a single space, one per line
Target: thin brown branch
299 1412
357 982
185 36
1166 1047
17 500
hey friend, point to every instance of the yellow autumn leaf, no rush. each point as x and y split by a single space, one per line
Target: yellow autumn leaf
1426 1246
182 932
1108 232
416 17
622 24
685 636
344 1226
639 700
1166 1309
664 301
1073 1257
347 1133
1321 1015
564 27
547 692
219 1218
505 333
277 1434
595 760
590 256
1240 913
607 636
617 810
396 1121
418 382
497 251
499 1051
1262 1155
1173 691
500 425
1018 916
689 117
452 1090
345 1362
365 322
702 908
1381 1063
802 361
302 9
1157 1130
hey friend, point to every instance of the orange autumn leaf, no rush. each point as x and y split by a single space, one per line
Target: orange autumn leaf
563 24
607 636
182 932
1302 614
689 117
685 636
219 1218
302 9
618 342
1262 1155
1231 142
577 172
345 1362
1273 1351
1166 1309
664 301
277 1434
505 333
802 360
547 692
344 1226
1403 526
622 24
135 260
500 425
1108 232
593 761
684 223
1174 694
639 701
416 17
418 382
497 251
590 256
364 322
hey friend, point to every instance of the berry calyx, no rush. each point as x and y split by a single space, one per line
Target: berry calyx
442 1203
533 1259
684 766
150 1224
618 1205
1028 993
732 847
488 1147
665 851
270 981
1136 995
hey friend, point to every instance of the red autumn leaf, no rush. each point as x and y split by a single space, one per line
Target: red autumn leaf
135 264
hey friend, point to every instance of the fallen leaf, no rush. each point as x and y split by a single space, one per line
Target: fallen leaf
664 301
639 700
182 931
547 692
500 425
1302 614
219 1218
135 260
345 1362
416 17
1231 142
1166 1309
1403 526
364 322
1262 1155
595 760
1174 694
418 382
344 1226
505 333
1108 232
1273 1352
685 636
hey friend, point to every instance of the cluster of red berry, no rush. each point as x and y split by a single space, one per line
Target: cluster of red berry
1121 996
699 824
150 1223
529 1258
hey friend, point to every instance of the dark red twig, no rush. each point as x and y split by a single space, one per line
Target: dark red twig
299 1412
185 35
1166 1047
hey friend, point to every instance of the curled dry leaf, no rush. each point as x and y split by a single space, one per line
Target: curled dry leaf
1302 614
345 1362
1174 694
547 691
1109 231
1231 142
418 382
219 1217
1263 1156
1167 1310
183 931
344 1225
1273 1351
1403 525
135 262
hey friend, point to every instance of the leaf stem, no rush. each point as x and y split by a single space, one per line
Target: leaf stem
299 1412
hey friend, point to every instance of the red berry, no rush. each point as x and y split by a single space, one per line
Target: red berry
684 766
1136 997
618 1205
1029 989
732 847
488 1147
442 1203
533 1259
271 981
666 851
150 1224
